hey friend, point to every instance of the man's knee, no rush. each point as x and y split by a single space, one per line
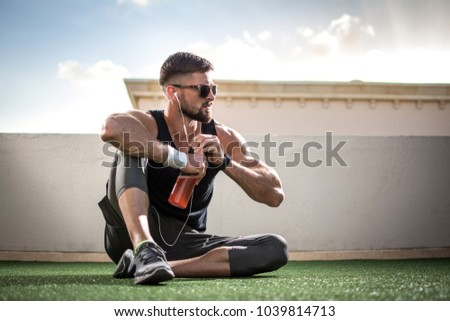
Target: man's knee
277 246
263 253
129 173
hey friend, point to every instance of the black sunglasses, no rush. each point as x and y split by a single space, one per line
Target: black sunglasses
203 90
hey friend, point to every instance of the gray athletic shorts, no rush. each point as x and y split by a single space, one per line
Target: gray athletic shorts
248 255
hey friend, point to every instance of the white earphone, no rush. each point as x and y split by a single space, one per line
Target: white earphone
176 97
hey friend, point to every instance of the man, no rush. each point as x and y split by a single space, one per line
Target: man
154 241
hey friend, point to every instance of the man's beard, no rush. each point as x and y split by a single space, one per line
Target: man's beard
199 116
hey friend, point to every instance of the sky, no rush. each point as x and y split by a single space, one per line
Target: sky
63 62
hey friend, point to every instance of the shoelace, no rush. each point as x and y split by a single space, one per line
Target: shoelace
147 254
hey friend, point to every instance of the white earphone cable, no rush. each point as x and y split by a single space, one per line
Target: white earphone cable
190 200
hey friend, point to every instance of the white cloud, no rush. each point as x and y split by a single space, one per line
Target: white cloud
348 25
235 58
141 3
97 91
407 65
305 32
238 58
261 37
343 51
242 57
265 35
101 71
343 35
249 38
324 44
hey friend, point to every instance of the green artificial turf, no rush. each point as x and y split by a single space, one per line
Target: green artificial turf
316 280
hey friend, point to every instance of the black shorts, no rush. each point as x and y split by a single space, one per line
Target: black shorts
180 241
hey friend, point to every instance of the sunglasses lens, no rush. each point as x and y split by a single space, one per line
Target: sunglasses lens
204 90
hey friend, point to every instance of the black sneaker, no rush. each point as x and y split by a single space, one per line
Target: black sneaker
151 265
125 268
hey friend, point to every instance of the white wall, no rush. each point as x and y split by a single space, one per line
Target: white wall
393 194
49 188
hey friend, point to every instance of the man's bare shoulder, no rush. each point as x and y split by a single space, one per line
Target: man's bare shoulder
229 137
146 119
225 132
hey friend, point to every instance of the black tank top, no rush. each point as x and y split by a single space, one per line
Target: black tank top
160 181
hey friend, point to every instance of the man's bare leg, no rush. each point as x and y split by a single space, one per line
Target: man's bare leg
215 263
134 205
151 266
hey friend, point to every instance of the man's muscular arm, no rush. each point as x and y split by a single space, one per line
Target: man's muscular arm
135 132
258 180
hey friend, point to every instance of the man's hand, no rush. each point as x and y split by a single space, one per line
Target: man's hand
209 145
196 165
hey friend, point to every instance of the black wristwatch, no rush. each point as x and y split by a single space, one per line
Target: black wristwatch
225 163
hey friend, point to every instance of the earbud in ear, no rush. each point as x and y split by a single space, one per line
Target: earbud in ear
176 97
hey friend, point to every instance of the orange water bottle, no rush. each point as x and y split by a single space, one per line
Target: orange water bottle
182 190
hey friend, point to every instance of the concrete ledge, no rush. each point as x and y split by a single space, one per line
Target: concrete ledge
396 254
53 256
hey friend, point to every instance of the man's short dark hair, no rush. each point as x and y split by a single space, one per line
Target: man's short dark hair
182 63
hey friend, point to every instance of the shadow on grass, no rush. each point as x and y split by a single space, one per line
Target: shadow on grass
250 278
